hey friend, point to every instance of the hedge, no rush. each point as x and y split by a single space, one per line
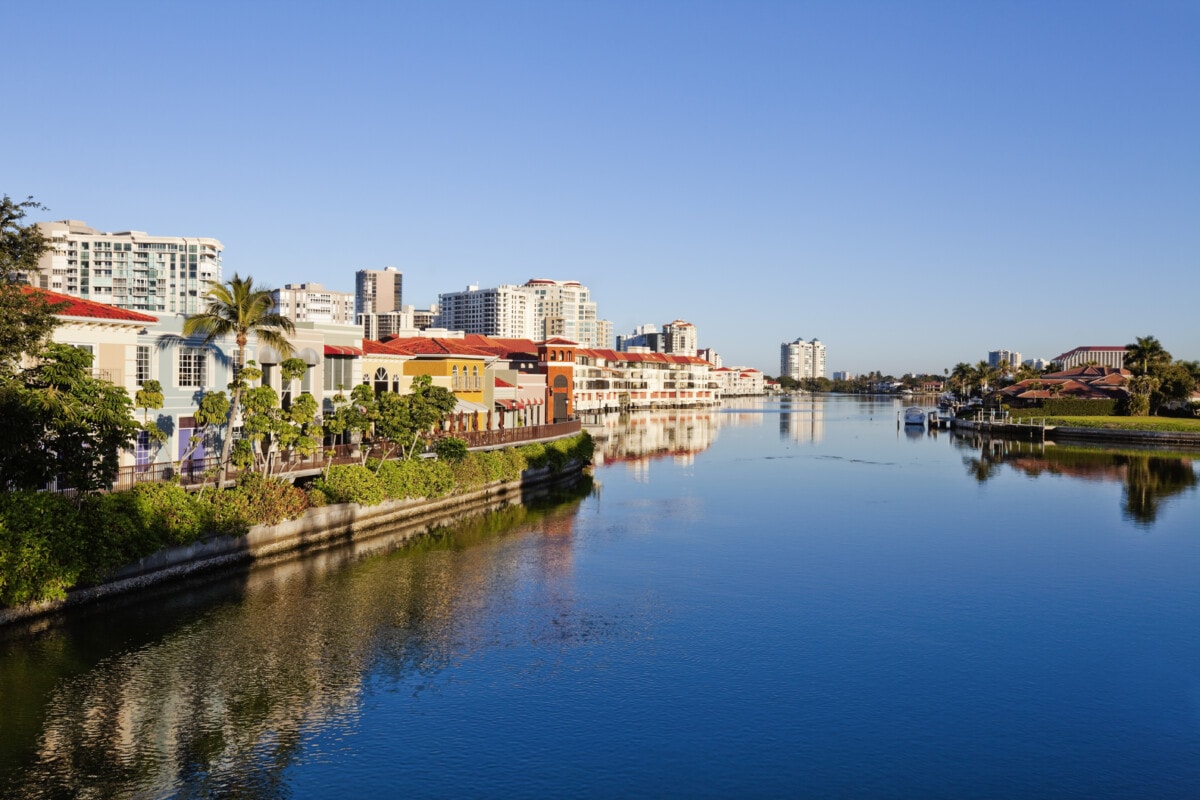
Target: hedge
50 543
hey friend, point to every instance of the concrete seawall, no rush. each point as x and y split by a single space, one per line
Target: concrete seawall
317 529
1063 434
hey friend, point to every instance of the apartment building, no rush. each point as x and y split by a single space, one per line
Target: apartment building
506 311
131 270
312 302
680 337
800 359
564 309
378 291
1011 356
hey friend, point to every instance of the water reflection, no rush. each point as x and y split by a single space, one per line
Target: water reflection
802 419
1149 477
638 439
216 701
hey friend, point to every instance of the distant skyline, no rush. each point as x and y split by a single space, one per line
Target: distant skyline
914 184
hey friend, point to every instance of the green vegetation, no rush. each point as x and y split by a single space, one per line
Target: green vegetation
50 543
238 308
1127 422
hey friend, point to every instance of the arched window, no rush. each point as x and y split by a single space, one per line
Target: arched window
396 384
381 381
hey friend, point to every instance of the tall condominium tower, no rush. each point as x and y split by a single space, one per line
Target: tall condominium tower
565 308
505 311
312 302
131 269
680 338
800 359
1011 356
378 291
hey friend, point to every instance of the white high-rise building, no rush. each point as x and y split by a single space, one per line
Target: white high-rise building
378 291
800 359
131 269
680 338
1011 356
312 302
565 308
507 312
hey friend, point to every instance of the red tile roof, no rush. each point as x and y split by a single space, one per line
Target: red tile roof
89 309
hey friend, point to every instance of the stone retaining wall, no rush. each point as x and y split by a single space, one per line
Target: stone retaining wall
318 528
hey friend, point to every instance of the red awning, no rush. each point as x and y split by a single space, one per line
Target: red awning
338 350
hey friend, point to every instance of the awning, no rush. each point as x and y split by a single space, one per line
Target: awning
340 350
467 407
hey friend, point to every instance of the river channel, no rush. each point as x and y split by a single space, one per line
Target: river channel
779 598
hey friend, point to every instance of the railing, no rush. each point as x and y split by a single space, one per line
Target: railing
200 471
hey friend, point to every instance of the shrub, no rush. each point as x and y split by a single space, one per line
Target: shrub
534 455
450 449
256 500
468 473
42 541
317 498
351 483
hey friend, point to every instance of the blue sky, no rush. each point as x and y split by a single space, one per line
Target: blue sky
914 183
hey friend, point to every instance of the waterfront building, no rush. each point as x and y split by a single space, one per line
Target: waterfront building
739 381
612 380
843 376
505 311
378 291
1104 356
312 302
129 269
1037 363
996 356
800 359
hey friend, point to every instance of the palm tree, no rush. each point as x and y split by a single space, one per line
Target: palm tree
1145 354
962 376
238 308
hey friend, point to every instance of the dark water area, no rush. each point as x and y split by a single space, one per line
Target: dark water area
795 598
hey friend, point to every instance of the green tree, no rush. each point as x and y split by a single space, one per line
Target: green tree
405 418
268 429
57 421
150 398
1145 355
26 317
1140 388
239 309
211 412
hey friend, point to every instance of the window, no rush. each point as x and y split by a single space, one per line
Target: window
192 362
143 364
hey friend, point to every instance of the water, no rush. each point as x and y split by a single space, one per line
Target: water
792 599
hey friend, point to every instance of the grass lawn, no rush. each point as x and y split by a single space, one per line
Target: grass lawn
1124 423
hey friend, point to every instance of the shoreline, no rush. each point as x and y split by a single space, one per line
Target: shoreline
318 529
1082 435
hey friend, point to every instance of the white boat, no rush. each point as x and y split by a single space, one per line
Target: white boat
914 415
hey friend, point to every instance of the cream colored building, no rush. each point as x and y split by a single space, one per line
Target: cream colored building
130 269
312 302
800 359
507 312
565 309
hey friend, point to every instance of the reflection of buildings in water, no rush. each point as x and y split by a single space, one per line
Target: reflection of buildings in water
636 439
1148 477
221 705
802 421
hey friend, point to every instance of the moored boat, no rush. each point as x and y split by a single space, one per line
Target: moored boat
914 415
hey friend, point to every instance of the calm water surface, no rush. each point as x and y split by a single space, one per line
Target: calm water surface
794 599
